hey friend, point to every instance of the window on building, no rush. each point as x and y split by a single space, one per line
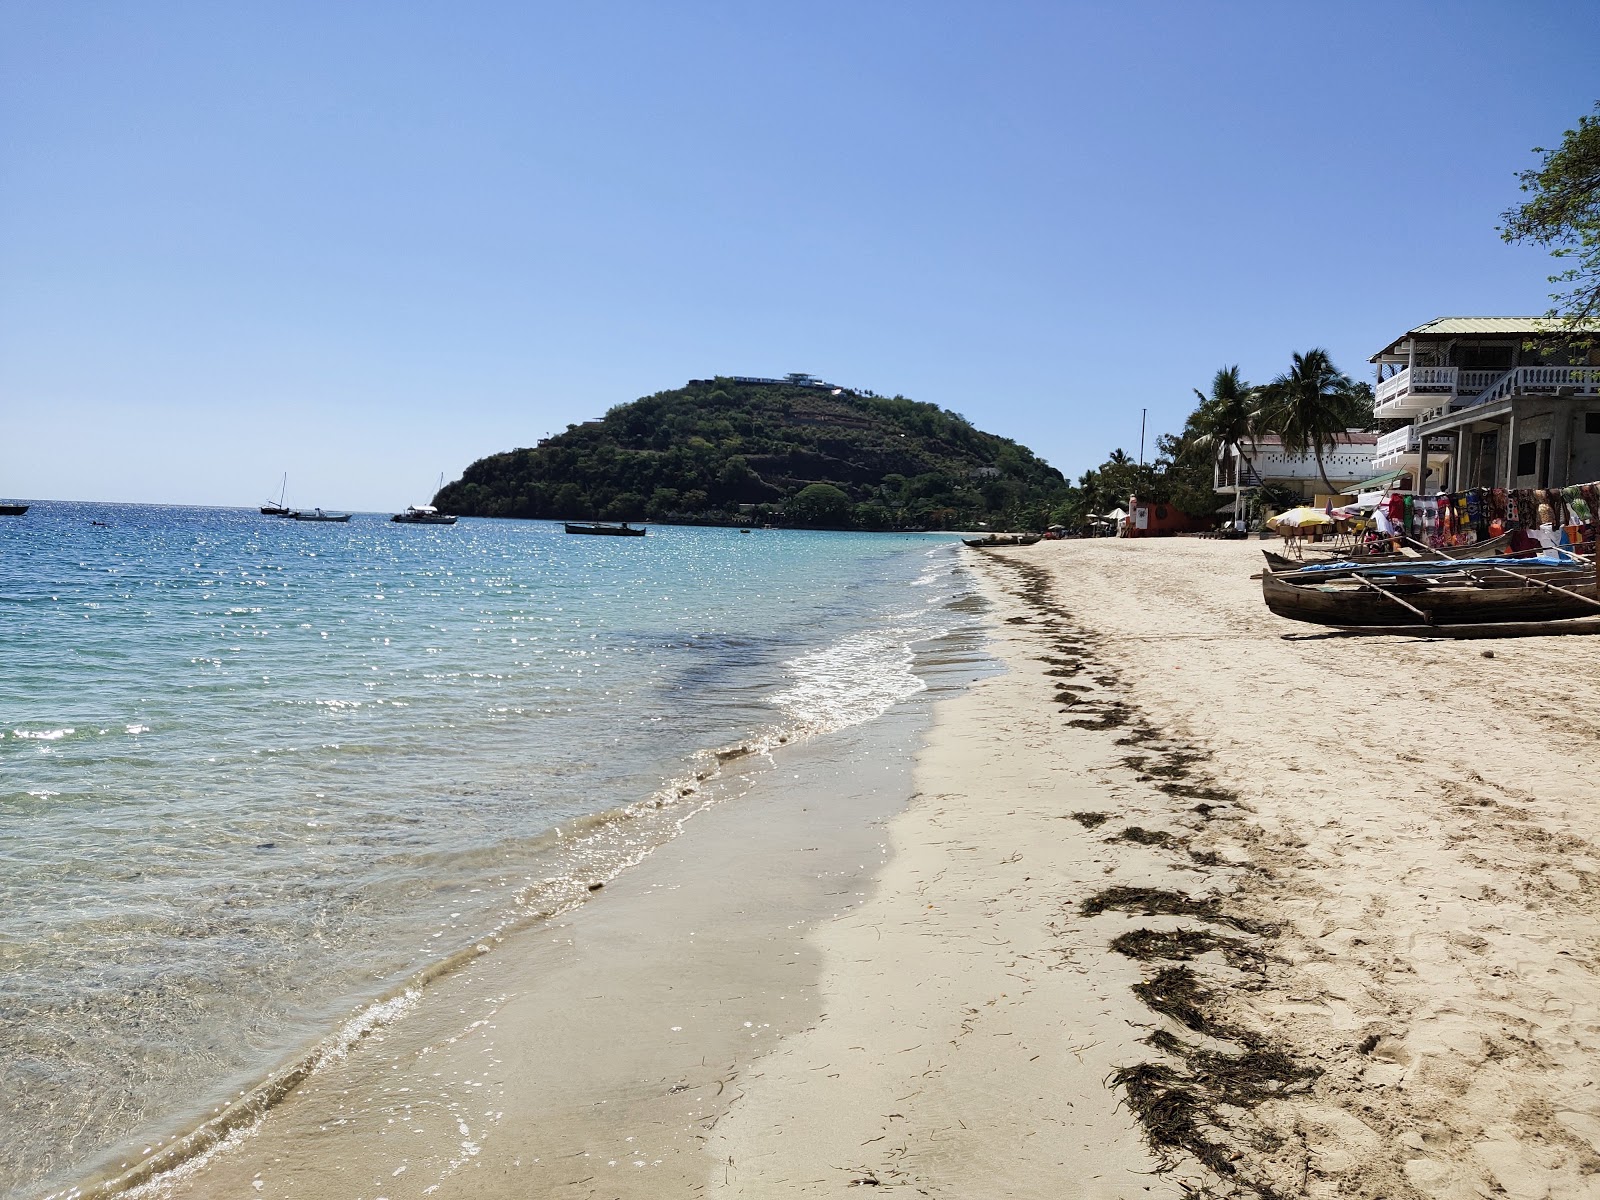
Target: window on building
1527 458
1544 462
1591 422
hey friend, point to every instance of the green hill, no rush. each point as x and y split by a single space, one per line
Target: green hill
791 451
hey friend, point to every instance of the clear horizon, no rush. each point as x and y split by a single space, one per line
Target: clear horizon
368 244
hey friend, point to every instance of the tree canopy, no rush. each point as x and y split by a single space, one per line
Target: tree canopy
1308 407
1563 214
792 452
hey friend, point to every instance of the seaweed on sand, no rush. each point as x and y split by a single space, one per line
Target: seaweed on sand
1177 1107
1146 837
1177 992
1160 902
1181 945
1113 715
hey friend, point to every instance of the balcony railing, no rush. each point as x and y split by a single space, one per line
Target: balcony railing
1397 443
1539 381
1418 381
1418 388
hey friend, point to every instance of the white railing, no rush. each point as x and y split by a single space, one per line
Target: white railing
1540 381
1396 441
1405 440
1418 380
1472 382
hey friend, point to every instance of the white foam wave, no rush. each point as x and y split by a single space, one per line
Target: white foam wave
849 682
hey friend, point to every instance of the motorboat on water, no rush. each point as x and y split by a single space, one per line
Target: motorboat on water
12 510
422 514
622 530
316 514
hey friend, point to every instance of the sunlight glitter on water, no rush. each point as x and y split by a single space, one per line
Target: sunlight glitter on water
231 822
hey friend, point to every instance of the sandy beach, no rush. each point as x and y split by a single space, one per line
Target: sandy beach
1186 901
1384 982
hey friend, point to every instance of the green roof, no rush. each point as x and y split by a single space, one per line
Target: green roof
1449 327
1453 326
1373 484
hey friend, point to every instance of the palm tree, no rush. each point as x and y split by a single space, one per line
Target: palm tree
1227 420
1309 406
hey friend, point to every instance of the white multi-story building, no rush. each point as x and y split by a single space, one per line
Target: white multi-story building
1265 461
1492 402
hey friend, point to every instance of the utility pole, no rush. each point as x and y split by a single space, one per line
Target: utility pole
1142 414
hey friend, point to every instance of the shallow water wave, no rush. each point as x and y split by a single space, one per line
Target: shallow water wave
858 678
299 766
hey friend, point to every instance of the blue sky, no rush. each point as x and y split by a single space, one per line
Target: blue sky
366 243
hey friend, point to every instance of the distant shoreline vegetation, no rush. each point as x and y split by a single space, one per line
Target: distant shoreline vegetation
795 452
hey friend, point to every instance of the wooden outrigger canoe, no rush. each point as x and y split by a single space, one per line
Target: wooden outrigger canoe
1492 596
1008 539
1493 548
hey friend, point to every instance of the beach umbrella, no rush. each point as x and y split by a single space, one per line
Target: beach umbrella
1299 518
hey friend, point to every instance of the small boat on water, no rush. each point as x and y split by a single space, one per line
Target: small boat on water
1424 594
278 508
422 514
316 514
622 530
12 510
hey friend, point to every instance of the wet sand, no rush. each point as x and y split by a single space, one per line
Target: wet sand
590 1056
1190 900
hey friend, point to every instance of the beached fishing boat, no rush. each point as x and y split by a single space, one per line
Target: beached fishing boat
1462 594
316 514
1488 549
1004 539
12 510
622 530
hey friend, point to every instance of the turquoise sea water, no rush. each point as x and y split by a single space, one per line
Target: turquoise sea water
254 773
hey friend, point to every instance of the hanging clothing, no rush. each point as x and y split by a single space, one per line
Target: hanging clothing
1578 506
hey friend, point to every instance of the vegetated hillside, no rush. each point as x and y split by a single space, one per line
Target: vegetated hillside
790 452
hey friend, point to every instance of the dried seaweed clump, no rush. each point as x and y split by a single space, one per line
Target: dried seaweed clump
1184 944
1176 1106
1177 992
1153 902
1146 837
1090 820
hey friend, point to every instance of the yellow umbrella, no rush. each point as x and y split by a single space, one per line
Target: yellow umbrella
1296 518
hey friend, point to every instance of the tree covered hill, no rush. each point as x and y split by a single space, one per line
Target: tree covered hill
793 451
